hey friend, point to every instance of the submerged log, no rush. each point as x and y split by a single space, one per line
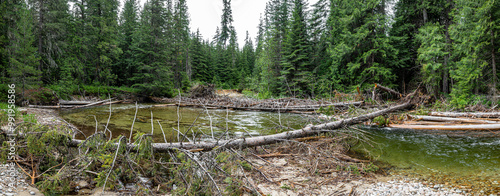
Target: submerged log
449 119
482 127
269 139
386 89
467 114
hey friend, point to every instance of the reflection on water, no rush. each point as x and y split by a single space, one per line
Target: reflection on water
465 161
193 121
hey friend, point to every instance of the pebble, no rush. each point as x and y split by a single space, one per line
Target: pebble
32 192
407 188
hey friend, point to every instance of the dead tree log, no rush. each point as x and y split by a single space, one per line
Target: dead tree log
467 114
386 89
482 127
449 119
269 139
92 104
64 102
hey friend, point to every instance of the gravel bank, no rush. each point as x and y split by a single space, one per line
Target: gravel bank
396 187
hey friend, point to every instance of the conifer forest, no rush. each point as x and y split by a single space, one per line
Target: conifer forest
449 46
128 96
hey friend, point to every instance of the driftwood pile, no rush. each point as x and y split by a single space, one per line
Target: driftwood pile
76 104
449 121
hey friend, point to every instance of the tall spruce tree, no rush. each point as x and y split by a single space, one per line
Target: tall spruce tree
360 45
297 70
51 18
22 54
474 48
151 52
129 22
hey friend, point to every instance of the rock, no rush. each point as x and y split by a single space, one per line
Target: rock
32 192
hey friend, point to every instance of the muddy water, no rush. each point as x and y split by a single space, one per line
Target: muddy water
193 121
467 163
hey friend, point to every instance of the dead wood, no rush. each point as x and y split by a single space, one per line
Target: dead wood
291 109
467 114
92 104
269 139
448 119
200 90
481 127
64 102
386 89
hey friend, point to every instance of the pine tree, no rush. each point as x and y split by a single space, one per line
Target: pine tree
361 48
200 70
128 24
474 48
51 31
296 74
181 43
103 35
22 53
151 52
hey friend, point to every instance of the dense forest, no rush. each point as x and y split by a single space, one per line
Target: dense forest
448 46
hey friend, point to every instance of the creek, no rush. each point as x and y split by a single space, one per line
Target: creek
464 162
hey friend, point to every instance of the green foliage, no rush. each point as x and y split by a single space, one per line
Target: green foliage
381 121
54 185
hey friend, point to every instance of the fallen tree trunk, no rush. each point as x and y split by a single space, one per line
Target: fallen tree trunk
268 139
64 102
50 106
92 104
449 119
386 89
467 114
482 127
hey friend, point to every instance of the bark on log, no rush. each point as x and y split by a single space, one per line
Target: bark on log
482 127
64 102
449 119
50 106
393 92
269 139
467 114
92 104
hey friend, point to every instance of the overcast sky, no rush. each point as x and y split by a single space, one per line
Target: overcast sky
206 14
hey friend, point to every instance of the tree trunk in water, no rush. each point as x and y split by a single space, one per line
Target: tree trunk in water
267 139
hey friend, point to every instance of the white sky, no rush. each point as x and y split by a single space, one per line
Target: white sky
206 15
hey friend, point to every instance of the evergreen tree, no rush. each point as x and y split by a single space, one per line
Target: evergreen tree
200 70
474 48
128 25
151 52
22 53
103 36
181 43
361 48
52 18
296 74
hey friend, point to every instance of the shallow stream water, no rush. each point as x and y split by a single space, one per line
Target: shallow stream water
192 121
468 163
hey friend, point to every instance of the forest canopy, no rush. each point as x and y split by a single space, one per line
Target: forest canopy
448 46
